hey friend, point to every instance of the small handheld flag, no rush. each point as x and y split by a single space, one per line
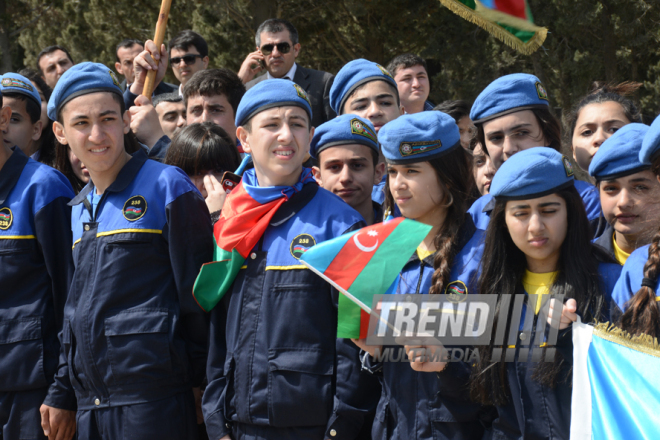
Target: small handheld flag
510 21
363 264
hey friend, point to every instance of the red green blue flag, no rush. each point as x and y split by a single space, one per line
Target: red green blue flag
362 264
246 214
510 21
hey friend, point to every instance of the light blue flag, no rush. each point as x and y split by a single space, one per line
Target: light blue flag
616 385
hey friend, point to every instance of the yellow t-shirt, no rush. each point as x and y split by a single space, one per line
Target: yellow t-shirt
423 253
620 255
538 284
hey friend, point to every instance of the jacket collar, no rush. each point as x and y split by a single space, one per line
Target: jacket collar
295 204
10 173
124 178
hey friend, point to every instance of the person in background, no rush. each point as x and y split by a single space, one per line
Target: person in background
45 145
188 54
125 53
171 113
52 62
412 80
460 111
482 168
25 103
204 152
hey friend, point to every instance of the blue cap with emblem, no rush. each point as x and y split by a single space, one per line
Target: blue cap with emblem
343 130
532 173
618 156
14 83
353 75
509 94
82 79
269 94
419 137
651 144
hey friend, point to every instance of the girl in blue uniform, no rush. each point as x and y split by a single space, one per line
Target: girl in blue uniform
637 289
513 114
429 180
537 244
629 192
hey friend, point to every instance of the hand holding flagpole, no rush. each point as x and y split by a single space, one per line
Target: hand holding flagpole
161 25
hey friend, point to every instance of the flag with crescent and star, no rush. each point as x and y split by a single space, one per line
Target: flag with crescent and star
362 264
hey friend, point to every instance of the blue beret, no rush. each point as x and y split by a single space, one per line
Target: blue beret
509 94
352 76
651 144
419 137
343 130
618 156
269 94
14 83
531 174
82 79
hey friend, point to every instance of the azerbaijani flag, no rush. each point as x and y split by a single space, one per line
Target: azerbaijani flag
616 385
362 264
246 214
510 21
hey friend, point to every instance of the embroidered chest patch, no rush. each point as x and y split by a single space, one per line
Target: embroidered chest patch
6 218
301 244
135 208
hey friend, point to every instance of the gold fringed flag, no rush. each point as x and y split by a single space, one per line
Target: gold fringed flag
510 21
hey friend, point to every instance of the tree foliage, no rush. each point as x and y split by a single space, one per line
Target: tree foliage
589 40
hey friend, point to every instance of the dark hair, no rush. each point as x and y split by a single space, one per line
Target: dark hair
47 148
605 92
454 175
187 38
456 109
51 49
360 87
127 43
405 61
502 270
199 148
550 128
167 97
274 25
211 82
642 315
31 107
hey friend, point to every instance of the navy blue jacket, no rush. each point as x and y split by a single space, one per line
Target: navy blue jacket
604 241
419 405
35 271
536 411
274 359
132 330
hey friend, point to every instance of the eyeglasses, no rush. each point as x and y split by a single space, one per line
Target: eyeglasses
188 59
267 49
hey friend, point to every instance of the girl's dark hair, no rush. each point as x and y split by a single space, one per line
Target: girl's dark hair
47 148
503 268
199 148
550 128
454 175
642 315
456 109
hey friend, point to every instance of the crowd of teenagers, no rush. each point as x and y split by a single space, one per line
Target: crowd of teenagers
112 203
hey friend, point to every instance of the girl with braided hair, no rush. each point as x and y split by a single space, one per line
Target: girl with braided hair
429 180
637 290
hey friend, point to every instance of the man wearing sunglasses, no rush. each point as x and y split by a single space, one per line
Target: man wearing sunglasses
188 54
277 50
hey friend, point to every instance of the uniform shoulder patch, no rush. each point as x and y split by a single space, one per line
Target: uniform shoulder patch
302 93
540 90
134 208
15 82
6 218
456 291
357 127
568 166
114 78
301 244
385 71
412 148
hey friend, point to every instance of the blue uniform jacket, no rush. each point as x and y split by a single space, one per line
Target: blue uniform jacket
132 330
35 271
416 405
631 277
604 241
535 411
481 208
274 358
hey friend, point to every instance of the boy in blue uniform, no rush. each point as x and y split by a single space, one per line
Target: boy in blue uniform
274 360
134 341
35 271
25 124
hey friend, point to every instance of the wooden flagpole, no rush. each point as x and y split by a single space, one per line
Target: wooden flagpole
150 82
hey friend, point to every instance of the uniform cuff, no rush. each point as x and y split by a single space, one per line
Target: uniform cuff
61 399
217 426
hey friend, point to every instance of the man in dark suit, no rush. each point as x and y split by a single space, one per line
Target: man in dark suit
277 50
